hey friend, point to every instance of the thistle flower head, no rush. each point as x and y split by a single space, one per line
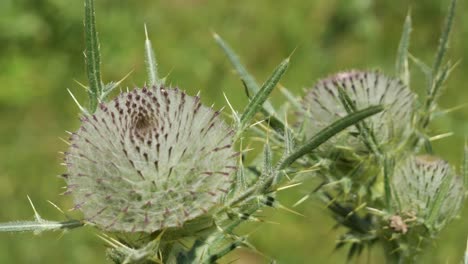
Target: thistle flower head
149 159
322 106
422 182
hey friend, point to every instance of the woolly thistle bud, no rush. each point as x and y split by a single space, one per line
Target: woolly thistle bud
322 106
423 184
149 159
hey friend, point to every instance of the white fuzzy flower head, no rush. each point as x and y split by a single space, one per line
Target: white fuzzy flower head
418 181
149 159
322 106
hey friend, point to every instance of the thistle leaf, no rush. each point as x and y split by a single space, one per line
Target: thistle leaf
439 72
249 81
440 80
401 65
92 55
257 101
329 132
444 39
367 134
151 63
250 84
39 226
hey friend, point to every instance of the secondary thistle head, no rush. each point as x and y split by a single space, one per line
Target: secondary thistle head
427 187
322 106
149 159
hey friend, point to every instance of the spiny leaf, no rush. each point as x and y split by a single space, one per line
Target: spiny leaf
248 80
440 80
435 92
151 63
251 86
39 226
444 39
93 57
257 101
367 134
329 132
401 66
439 72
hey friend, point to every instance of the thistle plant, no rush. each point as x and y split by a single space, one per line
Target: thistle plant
163 178
380 178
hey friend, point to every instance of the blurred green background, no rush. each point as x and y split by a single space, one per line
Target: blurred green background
41 45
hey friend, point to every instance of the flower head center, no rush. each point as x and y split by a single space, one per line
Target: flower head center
143 124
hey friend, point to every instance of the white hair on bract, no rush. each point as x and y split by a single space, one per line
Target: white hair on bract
322 106
149 159
419 181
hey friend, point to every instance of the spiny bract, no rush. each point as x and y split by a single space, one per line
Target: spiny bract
149 159
322 106
418 182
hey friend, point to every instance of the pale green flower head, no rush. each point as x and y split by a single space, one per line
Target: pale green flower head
148 160
322 106
427 187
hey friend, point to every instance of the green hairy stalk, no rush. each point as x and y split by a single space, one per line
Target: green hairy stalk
164 178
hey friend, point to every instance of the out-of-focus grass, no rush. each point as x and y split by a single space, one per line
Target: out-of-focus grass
41 44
